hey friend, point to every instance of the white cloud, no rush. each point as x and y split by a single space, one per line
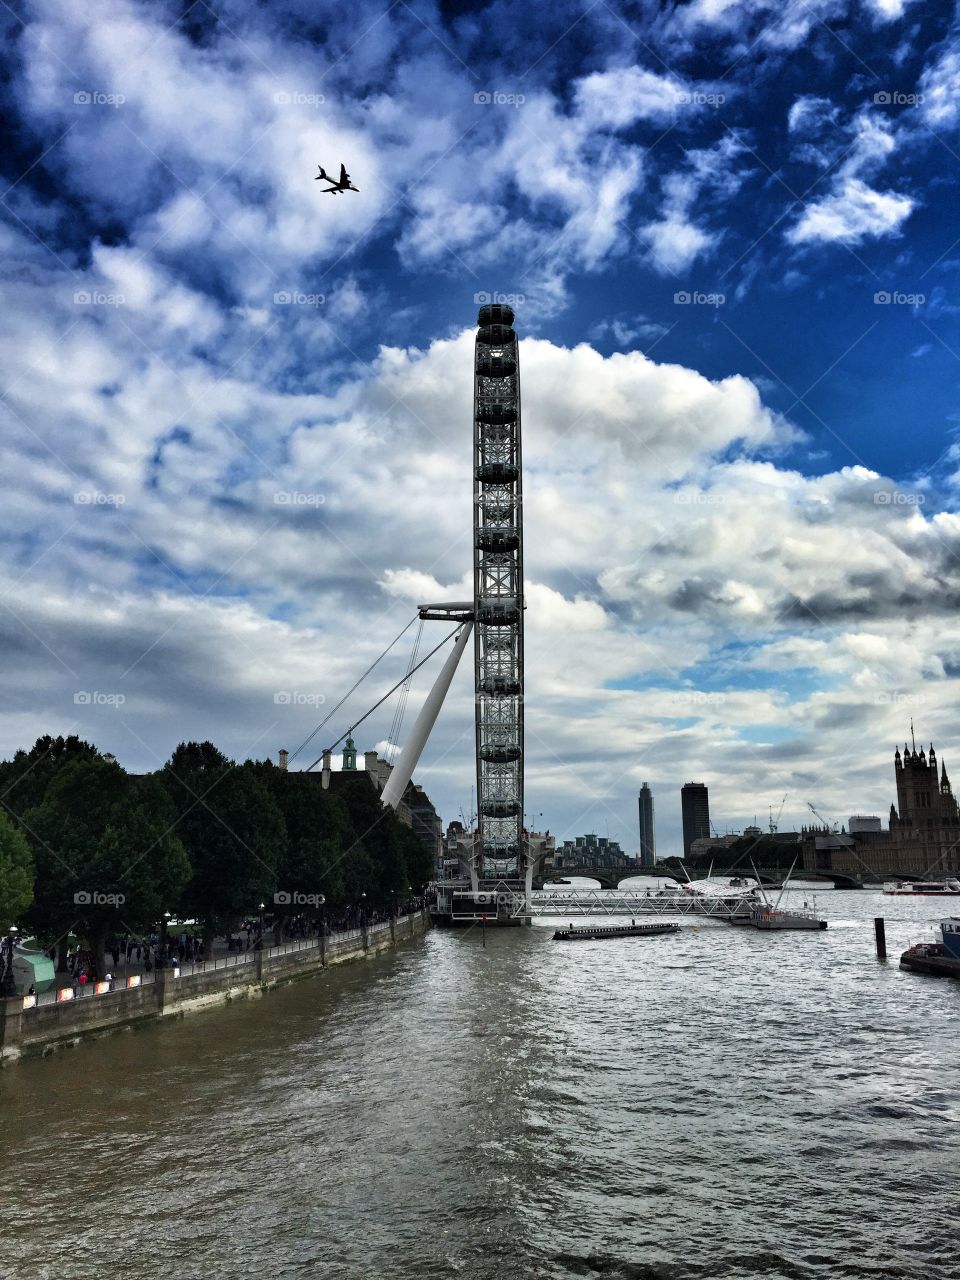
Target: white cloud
852 210
850 214
618 98
675 243
887 10
940 87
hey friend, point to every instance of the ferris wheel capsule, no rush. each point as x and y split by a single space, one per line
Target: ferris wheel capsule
498 540
495 313
492 365
497 411
496 335
497 472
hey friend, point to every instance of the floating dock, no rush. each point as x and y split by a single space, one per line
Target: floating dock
616 931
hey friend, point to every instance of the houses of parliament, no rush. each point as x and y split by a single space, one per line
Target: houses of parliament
923 837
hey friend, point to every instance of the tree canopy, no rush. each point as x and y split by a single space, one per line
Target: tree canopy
89 849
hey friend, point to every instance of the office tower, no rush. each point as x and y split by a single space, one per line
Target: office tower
648 829
695 812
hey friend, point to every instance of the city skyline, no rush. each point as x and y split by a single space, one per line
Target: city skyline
238 418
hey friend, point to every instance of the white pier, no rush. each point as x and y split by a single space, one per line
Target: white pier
617 902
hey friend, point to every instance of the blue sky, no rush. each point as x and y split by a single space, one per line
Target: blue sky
236 412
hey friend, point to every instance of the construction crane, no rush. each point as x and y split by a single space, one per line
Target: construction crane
832 827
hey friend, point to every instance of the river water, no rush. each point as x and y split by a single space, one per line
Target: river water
720 1103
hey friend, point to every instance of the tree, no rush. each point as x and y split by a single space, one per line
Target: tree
141 854
16 874
318 833
108 858
397 857
25 778
233 833
64 831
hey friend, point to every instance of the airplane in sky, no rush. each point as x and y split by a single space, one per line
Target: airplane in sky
344 183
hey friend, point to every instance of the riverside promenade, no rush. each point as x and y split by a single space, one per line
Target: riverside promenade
31 1025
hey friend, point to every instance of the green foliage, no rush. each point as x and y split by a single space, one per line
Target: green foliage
107 855
318 858
25 778
16 874
100 852
233 832
395 858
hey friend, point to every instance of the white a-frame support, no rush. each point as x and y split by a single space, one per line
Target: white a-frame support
392 793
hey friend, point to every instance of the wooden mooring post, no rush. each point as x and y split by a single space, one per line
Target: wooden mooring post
879 928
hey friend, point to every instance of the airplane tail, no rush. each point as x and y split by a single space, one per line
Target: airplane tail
322 176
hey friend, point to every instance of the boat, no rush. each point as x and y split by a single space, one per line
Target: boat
630 930
939 958
923 888
766 917
771 916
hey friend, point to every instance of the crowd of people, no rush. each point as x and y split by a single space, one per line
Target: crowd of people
186 946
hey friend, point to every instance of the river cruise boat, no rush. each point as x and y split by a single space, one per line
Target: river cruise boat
631 930
939 958
923 888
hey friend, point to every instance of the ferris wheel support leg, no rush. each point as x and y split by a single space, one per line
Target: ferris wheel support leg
410 755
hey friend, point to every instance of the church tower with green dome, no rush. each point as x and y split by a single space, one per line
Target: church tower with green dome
349 756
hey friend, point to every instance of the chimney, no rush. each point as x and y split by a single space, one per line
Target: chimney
284 757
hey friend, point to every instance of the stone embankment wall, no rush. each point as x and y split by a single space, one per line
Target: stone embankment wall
38 1029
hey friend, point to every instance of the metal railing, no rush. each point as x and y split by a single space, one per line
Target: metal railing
89 990
190 967
333 942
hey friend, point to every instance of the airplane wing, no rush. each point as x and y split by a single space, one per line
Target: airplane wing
344 176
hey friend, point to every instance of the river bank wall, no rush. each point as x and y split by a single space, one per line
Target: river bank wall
31 1029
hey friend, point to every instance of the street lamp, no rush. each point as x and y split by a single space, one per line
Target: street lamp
363 909
164 922
8 987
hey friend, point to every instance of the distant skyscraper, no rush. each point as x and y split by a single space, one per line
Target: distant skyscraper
648 829
695 811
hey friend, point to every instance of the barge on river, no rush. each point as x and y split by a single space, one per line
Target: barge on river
767 917
631 930
939 958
